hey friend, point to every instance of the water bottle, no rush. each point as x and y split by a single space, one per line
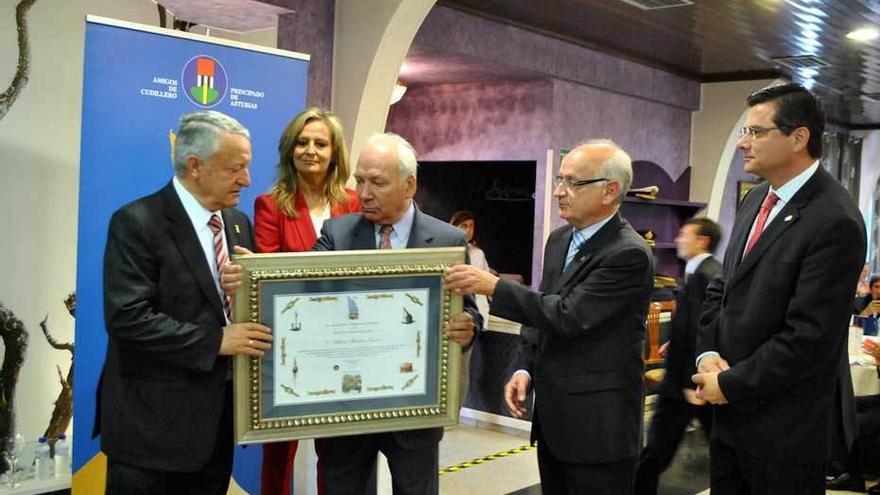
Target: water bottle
45 468
62 457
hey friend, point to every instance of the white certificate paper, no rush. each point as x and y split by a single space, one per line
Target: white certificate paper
349 345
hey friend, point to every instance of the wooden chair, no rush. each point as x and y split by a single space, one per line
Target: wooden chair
654 376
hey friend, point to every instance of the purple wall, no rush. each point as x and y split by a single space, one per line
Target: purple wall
521 120
310 30
457 32
586 94
477 121
482 121
647 130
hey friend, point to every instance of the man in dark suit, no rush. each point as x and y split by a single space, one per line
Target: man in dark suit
165 401
386 184
676 399
774 325
583 332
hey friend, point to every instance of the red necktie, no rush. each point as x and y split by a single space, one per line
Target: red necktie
220 254
768 204
385 242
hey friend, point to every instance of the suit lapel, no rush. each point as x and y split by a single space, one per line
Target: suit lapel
554 258
188 243
585 253
418 238
233 230
786 217
364 235
740 234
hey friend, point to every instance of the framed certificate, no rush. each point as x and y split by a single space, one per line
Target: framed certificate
358 346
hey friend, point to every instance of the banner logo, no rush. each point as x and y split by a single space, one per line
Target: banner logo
205 81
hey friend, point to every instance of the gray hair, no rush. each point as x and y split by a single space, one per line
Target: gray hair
617 167
199 134
406 155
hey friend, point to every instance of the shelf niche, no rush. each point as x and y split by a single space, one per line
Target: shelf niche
663 215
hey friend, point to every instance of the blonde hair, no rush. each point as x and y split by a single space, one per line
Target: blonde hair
284 189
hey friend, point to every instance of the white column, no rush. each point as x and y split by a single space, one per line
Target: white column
371 40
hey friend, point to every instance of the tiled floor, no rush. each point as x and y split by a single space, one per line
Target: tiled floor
517 474
503 475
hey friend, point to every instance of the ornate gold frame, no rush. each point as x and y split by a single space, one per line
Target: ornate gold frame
252 427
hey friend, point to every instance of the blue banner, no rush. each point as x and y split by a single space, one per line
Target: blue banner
137 82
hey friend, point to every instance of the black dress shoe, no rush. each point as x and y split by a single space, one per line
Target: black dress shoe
874 490
847 481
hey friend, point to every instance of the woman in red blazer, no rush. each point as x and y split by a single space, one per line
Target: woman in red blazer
312 171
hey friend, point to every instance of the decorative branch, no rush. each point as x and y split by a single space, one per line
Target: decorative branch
15 340
63 411
54 343
19 81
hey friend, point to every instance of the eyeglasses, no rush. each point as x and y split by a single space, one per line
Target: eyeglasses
572 183
756 131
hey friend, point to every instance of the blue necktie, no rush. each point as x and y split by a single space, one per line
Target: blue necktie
577 240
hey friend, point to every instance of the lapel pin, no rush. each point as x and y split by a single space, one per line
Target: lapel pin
238 229
789 218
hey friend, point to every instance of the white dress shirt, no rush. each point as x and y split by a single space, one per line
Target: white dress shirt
399 231
692 264
785 193
199 216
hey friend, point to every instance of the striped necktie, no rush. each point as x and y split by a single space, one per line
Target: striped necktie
385 241
577 240
221 255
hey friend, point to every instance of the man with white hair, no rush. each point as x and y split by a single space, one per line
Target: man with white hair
165 409
583 332
386 184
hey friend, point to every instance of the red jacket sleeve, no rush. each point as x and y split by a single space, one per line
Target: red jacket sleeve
267 218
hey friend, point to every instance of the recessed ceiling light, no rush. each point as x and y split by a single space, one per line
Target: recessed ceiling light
863 34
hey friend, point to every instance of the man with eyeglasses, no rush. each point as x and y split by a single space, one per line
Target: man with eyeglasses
774 325
583 332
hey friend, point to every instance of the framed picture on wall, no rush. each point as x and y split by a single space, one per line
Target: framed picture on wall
358 344
743 187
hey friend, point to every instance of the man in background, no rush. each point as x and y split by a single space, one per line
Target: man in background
676 400
869 304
